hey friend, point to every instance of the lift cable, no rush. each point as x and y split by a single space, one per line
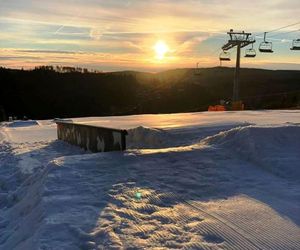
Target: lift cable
270 31
276 40
290 25
288 32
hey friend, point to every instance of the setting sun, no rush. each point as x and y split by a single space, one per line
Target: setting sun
161 48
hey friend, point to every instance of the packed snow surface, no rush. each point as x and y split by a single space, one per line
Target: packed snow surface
212 180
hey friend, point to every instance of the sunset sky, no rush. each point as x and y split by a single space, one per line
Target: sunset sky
142 35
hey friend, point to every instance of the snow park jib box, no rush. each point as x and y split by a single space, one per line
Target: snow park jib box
92 138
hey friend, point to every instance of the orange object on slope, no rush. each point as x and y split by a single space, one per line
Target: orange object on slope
217 108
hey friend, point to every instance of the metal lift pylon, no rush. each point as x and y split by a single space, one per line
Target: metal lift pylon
238 40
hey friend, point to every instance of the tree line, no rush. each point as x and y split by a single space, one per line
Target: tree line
47 92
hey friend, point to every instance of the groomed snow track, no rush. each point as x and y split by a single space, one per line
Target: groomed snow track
227 230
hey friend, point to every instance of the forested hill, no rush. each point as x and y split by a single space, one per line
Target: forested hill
47 93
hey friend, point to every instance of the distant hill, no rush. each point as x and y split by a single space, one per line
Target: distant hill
45 93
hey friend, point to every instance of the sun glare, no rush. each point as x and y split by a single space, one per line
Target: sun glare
161 48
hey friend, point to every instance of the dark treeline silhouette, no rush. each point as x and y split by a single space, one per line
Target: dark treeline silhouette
48 92
66 69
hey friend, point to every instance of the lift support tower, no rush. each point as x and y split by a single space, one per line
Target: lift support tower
239 40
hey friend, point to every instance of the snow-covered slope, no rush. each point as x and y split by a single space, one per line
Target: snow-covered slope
223 180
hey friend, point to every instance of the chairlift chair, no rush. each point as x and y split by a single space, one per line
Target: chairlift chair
296 44
265 46
225 56
250 52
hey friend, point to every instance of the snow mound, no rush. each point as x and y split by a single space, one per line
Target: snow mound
143 137
154 138
274 148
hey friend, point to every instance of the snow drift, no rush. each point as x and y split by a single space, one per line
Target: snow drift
274 148
155 138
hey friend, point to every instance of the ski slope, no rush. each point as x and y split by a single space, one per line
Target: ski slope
211 180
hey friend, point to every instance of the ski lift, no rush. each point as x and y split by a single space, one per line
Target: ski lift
265 46
197 69
296 44
225 56
250 52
